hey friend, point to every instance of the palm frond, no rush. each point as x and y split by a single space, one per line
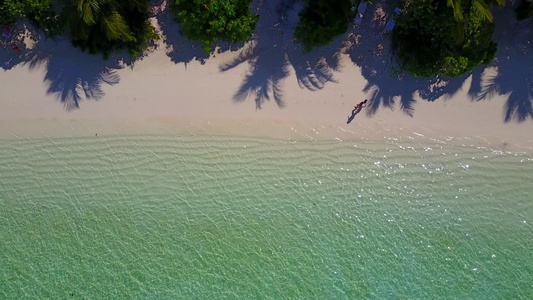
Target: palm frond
116 28
88 9
457 9
483 8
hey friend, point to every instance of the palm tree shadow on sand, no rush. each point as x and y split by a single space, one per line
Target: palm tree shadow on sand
71 75
74 76
369 47
511 73
265 76
271 53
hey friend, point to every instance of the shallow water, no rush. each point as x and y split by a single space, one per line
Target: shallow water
200 217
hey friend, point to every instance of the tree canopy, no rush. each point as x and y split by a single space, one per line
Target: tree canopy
11 10
427 40
210 20
321 21
431 36
106 25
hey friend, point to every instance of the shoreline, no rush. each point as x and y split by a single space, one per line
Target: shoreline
253 129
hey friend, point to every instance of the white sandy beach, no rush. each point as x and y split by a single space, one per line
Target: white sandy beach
55 90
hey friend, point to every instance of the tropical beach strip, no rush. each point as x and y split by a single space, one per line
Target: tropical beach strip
267 81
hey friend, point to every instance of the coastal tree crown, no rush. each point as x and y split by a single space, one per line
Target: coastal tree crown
210 20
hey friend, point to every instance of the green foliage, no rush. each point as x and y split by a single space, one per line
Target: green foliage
321 21
425 38
11 10
107 25
210 20
480 7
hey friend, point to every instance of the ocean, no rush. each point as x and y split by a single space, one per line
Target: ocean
216 217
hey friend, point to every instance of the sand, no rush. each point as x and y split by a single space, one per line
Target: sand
266 87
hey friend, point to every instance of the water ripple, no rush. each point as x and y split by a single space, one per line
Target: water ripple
157 217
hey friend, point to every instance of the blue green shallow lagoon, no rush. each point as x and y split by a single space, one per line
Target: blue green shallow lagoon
204 217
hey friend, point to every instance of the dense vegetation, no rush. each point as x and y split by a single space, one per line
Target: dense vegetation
11 10
210 20
431 36
446 38
321 21
97 25
107 25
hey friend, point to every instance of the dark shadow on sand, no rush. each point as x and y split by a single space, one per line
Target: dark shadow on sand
271 53
511 73
71 75
369 47
76 76
352 116
265 76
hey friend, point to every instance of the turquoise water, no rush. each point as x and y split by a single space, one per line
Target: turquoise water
199 217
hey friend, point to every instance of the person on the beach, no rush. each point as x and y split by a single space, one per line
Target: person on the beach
360 105
356 110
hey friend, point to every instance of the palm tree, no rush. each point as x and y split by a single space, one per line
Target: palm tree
97 24
481 7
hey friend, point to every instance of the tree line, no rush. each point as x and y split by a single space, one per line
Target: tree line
431 37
